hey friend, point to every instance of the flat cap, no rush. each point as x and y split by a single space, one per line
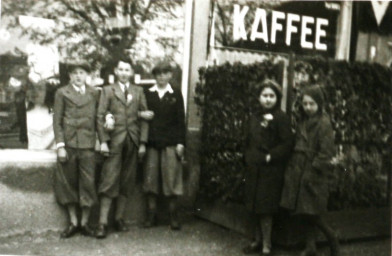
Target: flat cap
71 65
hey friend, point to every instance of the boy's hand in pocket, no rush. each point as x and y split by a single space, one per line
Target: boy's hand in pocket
62 154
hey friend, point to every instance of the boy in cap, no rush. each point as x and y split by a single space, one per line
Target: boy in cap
74 125
165 146
122 144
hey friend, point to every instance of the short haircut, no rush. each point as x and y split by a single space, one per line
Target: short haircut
162 67
122 59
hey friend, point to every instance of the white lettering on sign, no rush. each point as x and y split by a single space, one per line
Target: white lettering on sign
287 23
239 31
290 29
275 25
305 30
261 16
320 33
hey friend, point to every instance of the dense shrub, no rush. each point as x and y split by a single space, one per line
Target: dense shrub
358 101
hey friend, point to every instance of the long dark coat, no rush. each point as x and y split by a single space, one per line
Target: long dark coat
306 179
264 181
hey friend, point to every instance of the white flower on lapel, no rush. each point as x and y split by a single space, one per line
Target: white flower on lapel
129 98
266 119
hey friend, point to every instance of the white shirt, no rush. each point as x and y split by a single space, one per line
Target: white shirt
161 91
123 86
81 89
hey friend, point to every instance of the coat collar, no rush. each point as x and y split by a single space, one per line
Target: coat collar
161 92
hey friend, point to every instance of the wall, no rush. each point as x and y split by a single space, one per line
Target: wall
27 201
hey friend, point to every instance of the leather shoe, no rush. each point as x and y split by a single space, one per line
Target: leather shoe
150 221
120 225
102 231
87 231
69 231
174 222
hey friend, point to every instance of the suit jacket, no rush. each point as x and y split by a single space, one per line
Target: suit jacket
125 114
167 128
74 118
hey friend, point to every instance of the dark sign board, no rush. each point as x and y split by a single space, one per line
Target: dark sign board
306 28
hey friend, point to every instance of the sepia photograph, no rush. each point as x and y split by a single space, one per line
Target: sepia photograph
195 127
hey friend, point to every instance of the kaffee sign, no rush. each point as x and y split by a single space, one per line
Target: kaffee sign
307 28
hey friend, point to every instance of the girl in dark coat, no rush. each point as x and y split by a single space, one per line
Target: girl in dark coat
268 146
305 190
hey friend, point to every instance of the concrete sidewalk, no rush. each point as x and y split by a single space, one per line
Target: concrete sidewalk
197 237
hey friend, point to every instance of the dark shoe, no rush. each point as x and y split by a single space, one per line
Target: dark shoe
120 225
252 248
69 231
102 231
150 221
174 222
87 231
175 225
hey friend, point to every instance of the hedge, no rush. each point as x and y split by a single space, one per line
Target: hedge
359 101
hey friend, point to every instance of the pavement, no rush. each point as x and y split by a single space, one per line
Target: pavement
197 237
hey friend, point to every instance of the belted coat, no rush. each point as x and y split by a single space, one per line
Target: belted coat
305 189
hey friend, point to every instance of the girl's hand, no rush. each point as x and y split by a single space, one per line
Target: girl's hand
268 158
142 151
180 151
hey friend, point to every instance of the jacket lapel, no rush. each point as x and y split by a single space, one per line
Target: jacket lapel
77 98
119 93
132 92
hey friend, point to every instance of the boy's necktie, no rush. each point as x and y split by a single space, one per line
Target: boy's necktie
125 92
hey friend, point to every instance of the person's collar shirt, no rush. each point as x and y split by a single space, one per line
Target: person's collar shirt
124 86
161 91
81 89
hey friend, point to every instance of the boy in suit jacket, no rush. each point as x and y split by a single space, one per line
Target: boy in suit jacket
121 145
74 123
165 147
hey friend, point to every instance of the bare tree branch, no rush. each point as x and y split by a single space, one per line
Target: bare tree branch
83 15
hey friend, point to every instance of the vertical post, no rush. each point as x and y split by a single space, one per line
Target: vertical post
290 84
187 51
344 31
197 59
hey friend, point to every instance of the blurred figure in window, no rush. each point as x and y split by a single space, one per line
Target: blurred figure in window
39 115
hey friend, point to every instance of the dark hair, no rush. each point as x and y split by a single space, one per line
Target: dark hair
162 67
273 86
122 59
316 93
